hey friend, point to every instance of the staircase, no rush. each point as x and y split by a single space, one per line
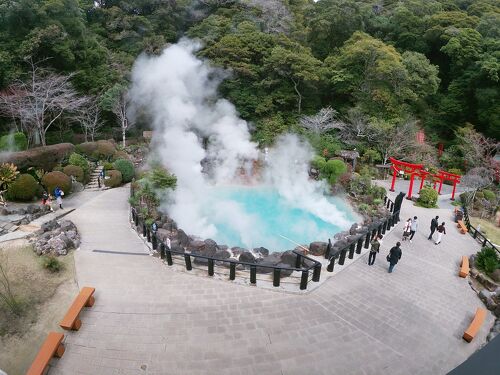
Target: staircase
93 184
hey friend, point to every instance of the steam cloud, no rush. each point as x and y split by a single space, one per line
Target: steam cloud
179 92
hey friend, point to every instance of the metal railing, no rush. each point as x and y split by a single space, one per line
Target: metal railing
303 264
477 235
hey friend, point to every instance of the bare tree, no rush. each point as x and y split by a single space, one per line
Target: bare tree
119 108
477 149
89 118
40 101
323 121
476 179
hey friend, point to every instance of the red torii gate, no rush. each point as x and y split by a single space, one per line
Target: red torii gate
447 176
411 169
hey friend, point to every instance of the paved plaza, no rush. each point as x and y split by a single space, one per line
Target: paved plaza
148 319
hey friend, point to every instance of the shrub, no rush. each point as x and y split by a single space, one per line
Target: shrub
58 168
45 158
126 167
455 171
13 142
378 192
108 166
333 169
114 180
24 188
51 263
105 150
80 161
371 156
87 148
428 198
53 179
489 195
8 174
120 155
75 171
487 260
161 179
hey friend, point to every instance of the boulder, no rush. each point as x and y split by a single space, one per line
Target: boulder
353 229
49 225
162 234
289 257
196 247
66 225
31 209
210 247
183 238
222 254
264 270
273 258
57 246
238 251
285 272
318 248
246 256
76 186
495 275
340 244
262 251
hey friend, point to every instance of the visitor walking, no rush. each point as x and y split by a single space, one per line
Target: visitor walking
406 229
46 201
441 230
434 225
328 249
394 256
413 227
374 250
58 193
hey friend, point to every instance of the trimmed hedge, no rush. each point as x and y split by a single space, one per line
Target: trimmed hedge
86 148
75 171
120 155
428 197
13 142
126 167
53 179
105 150
114 180
24 188
45 158
80 161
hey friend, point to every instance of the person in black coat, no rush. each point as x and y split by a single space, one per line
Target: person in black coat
434 225
394 256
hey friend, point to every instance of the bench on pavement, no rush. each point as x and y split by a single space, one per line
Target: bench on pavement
84 298
51 347
462 227
464 267
477 322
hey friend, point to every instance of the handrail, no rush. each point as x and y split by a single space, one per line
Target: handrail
484 240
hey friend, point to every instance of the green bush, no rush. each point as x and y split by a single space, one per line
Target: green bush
24 188
126 167
378 192
114 180
53 179
13 142
428 198
51 263
108 166
333 169
75 171
487 260
371 156
455 171
489 195
80 161
161 179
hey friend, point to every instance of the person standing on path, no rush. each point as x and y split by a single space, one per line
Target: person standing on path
374 250
58 193
441 230
413 227
406 229
434 225
394 256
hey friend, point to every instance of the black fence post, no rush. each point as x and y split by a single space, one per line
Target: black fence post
303 280
168 253
154 241
485 241
330 266
253 274
383 227
187 258
342 256
232 271
162 250
388 204
316 272
379 230
276 277
360 245
298 261
392 207
351 250
385 199
148 235
210 267
143 230
367 240
475 234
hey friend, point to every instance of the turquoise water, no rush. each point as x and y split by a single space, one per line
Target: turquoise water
258 216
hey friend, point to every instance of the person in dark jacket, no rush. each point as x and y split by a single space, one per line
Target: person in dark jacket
441 230
374 250
394 256
434 225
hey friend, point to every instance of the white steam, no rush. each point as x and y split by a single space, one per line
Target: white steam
179 92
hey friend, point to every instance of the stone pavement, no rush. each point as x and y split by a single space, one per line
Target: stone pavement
150 320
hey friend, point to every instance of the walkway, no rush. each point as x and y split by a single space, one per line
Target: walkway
150 320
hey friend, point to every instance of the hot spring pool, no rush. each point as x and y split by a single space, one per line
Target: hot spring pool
258 216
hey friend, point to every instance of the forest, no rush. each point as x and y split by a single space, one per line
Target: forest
377 72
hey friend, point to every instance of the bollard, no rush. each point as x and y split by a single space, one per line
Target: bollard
253 275
303 280
210 267
330 266
392 207
143 230
169 256
316 272
187 258
384 227
162 250
232 271
388 204
360 245
484 242
385 199
154 241
351 250
276 277
298 261
148 235
367 240
342 256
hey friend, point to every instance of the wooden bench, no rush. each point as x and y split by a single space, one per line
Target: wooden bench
84 298
464 267
462 227
475 325
51 347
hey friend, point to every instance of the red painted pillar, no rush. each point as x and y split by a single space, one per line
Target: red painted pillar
422 179
411 186
434 187
393 179
440 186
453 192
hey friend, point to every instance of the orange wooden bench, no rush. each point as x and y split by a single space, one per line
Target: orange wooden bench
462 227
475 325
51 347
464 267
84 298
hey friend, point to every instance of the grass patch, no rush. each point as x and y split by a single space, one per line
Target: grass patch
489 229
